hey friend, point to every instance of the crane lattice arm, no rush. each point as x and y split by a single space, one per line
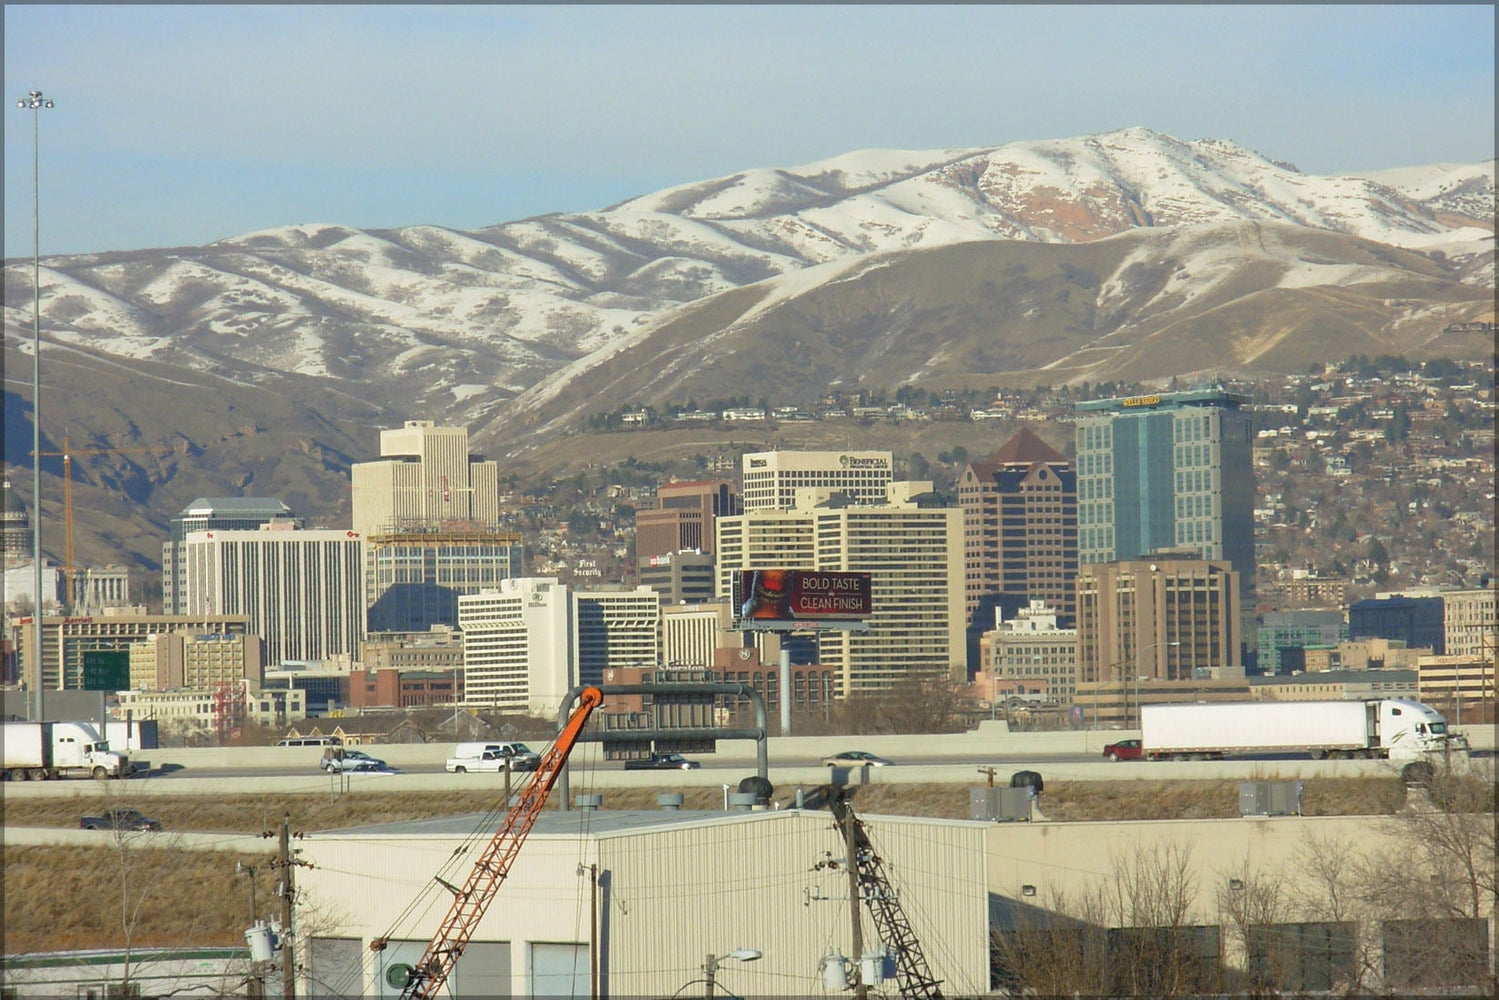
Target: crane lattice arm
912 974
470 902
67 453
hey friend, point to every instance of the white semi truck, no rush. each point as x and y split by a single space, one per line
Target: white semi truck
1387 728
38 751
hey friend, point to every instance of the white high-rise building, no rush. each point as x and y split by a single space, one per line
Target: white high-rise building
530 640
519 645
913 552
772 478
424 479
691 633
617 627
302 590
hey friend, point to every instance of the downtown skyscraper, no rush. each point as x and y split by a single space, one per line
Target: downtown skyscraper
1167 471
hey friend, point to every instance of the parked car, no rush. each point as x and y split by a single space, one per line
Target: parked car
662 762
1123 750
118 819
339 759
856 758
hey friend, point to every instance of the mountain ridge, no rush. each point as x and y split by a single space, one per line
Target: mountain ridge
1129 255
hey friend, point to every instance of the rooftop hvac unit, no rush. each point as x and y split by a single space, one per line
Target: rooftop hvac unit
1000 805
1270 798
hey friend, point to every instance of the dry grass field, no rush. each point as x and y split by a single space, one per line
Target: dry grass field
161 895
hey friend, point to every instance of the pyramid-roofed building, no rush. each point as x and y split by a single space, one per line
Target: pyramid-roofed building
1020 513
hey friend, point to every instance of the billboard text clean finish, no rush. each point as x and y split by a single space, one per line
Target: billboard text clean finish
794 595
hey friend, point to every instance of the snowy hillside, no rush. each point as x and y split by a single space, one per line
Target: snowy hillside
466 321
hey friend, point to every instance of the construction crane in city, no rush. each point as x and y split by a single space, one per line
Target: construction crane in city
67 453
912 974
432 970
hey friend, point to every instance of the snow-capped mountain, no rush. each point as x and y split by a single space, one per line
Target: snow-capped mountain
474 318
271 358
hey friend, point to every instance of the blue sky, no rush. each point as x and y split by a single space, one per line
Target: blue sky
180 125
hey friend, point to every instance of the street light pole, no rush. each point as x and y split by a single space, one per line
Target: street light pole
711 966
35 102
1139 675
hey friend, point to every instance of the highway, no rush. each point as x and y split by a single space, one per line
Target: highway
793 761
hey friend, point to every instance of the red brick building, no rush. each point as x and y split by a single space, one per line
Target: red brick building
404 688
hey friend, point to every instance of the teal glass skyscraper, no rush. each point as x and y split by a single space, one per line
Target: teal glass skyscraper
1167 471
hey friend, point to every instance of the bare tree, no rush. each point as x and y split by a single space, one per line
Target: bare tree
1134 932
1249 900
1439 875
918 704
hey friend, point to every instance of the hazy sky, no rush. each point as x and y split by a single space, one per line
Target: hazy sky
181 125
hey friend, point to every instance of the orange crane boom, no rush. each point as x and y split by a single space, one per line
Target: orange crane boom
67 453
469 903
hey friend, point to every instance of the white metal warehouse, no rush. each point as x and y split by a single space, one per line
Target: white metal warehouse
672 889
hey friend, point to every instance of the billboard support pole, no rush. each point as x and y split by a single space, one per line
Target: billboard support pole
785 685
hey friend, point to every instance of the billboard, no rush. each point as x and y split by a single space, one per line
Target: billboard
793 598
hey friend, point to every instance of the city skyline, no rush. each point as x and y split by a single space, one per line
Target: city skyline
181 125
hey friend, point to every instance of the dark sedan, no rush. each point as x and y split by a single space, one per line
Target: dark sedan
118 819
662 762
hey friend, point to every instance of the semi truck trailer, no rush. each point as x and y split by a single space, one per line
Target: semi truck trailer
129 735
38 751
1387 728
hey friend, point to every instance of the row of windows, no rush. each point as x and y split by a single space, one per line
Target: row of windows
1095 489
1193 454
1192 427
1099 435
1194 532
1095 463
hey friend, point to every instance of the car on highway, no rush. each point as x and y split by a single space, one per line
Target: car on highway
119 819
370 767
339 759
856 758
1124 750
662 762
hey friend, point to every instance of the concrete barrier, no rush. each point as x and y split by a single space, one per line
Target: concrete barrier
91 792
33 836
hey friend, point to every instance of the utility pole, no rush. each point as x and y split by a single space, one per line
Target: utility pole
257 974
288 889
592 870
861 989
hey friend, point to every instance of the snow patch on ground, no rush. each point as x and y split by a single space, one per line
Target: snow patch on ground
467 390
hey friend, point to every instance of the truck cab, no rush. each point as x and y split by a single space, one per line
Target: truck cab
496 756
1409 729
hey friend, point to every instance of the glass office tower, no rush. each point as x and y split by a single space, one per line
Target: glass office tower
1167 471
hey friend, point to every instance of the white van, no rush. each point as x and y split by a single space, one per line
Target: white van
492 756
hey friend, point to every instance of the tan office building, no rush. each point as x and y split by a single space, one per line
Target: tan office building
424 478
771 479
1470 623
65 640
683 518
913 552
191 659
1158 618
302 590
